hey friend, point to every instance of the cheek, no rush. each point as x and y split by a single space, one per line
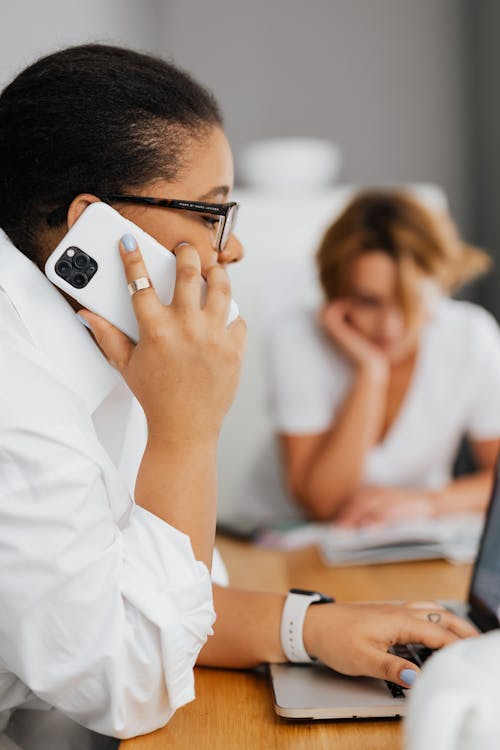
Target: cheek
170 229
364 321
165 227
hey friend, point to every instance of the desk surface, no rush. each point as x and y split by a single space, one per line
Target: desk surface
234 709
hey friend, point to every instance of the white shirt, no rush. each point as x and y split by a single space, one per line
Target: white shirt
104 607
455 391
454 702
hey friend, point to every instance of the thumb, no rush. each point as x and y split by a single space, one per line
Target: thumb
116 346
386 666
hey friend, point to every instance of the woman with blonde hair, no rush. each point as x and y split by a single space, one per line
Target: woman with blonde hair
392 373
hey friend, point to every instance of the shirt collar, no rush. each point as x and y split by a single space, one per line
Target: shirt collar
54 328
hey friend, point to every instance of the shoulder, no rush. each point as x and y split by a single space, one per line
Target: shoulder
299 325
462 314
465 323
11 325
32 399
308 377
300 338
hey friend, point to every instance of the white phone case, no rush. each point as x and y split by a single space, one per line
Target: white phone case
97 233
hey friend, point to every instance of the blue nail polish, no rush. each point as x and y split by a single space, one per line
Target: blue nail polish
83 321
129 242
408 675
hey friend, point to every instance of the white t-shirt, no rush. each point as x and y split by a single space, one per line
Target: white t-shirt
455 391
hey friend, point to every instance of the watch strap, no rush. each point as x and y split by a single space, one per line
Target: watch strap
296 605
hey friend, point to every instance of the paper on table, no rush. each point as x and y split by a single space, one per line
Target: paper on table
455 537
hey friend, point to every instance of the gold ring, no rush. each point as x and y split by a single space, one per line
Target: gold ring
142 283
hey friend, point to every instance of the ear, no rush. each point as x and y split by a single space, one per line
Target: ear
78 206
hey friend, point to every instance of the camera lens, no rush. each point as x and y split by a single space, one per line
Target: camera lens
79 280
81 260
63 268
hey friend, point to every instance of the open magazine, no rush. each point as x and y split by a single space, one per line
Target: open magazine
454 537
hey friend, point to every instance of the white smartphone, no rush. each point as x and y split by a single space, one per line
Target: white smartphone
86 265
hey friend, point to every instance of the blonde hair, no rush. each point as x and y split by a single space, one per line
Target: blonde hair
414 236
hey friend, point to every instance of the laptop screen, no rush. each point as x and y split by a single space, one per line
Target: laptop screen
484 595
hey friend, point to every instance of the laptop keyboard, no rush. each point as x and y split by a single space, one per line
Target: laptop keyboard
418 654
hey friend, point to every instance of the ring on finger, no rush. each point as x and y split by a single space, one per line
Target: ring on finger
142 283
434 617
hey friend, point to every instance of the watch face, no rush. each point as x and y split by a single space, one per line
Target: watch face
321 600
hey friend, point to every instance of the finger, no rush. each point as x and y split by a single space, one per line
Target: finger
116 346
414 629
338 305
378 511
334 312
145 301
386 666
238 332
427 605
346 513
354 514
188 278
218 294
447 619
379 516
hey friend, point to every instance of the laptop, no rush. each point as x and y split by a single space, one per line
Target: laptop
314 691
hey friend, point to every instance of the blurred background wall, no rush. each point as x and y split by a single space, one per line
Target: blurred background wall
383 78
406 87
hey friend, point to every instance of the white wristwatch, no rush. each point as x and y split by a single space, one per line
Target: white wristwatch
292 622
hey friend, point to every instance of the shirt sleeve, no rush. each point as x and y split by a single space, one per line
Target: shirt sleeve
103 613
308 378
484 412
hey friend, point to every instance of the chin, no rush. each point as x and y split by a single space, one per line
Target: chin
398 352
389 348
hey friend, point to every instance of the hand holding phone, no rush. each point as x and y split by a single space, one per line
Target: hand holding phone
86 265
186 367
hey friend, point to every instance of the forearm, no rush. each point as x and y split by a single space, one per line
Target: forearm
247 629
468 493
336 471
178 483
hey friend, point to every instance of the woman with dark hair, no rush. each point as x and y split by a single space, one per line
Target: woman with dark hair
106 602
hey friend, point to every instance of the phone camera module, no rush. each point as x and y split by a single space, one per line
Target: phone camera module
81 260
76 267
79 280
63 268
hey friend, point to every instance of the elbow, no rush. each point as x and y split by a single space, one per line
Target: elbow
318 508
317 505
128 719
131 729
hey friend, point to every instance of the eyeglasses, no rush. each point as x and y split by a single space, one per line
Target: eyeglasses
223 215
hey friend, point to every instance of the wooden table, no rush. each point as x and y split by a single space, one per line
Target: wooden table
234 709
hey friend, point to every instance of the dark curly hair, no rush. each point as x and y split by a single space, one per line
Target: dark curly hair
92 118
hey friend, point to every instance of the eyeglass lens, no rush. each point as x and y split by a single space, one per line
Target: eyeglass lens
228 226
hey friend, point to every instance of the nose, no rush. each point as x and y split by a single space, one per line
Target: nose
233 252
392 324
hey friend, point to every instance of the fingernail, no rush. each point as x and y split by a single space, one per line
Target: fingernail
129 242
408 675
83 321
181 244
